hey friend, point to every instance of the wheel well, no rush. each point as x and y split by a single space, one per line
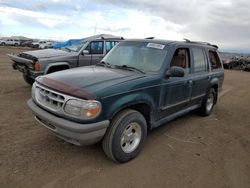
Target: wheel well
143 108
57 68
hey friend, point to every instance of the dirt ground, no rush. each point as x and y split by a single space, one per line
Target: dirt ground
191 151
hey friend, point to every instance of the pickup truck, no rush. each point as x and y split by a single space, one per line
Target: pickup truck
40 62
140 85
10 42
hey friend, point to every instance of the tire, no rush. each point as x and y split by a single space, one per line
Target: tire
27 79
3 44
125 136
16 44
208 103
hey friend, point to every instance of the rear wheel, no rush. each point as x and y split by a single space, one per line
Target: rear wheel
208 103
125 136
27 79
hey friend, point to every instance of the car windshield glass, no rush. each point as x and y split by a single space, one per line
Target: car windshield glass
75 47
144 56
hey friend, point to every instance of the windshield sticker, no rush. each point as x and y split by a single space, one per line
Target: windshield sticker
154 45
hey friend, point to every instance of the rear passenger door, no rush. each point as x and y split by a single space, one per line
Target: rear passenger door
200 75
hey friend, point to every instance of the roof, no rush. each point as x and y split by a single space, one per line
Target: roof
172 42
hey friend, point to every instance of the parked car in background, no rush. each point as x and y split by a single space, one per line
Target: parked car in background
45 44
27 43
40 62
138 86
10 42
35 44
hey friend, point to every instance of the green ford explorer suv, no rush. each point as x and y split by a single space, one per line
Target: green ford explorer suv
139 85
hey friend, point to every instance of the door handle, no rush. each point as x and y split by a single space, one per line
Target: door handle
190 82
208 77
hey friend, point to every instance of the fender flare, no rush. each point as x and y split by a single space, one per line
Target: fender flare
57 64
126 101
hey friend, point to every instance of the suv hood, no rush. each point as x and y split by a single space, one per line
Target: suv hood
46 53
85 82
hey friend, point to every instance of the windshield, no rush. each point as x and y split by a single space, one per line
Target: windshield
145 56
75 47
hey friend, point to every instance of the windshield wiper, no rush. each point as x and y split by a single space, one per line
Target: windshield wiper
127 67
105 64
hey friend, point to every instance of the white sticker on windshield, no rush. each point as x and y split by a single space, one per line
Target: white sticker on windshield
157 46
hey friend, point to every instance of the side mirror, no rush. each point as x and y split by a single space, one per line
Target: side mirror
85 52
175 71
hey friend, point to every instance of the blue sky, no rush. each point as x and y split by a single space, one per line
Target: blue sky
223 22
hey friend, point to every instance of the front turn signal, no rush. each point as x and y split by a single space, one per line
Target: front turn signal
37 67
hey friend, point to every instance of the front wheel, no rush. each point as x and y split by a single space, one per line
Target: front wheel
27 79
125 136
208 103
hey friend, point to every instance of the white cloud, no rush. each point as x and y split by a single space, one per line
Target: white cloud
49 20
224 22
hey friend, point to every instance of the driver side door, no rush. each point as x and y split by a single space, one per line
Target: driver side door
176 91
95 55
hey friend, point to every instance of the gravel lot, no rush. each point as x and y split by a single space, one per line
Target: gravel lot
191 151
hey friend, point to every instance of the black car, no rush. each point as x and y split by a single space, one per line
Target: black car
138 86
27 43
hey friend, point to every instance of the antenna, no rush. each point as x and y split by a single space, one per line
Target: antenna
95 29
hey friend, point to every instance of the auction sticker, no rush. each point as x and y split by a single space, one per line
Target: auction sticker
154 45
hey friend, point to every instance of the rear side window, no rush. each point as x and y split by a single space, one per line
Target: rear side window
200 64
214 60
110 45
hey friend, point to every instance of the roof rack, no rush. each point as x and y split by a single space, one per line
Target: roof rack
150 38
112 38
199 42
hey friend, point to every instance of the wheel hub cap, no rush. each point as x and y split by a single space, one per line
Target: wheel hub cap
210 102
131 137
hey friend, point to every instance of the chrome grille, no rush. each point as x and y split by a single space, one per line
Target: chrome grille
49 99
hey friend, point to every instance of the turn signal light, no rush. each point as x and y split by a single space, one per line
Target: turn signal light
37 67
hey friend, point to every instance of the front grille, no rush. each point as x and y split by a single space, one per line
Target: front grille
49 99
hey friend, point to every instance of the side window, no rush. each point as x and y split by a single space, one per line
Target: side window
110 45
181 58
200 64
214 60
96 47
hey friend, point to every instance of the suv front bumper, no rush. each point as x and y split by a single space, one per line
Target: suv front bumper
72 132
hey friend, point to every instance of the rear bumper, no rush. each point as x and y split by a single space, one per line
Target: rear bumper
72 132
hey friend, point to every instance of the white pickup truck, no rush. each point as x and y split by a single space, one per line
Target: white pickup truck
10 42
42 44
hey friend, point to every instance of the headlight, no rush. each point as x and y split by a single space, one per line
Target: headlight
84 109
